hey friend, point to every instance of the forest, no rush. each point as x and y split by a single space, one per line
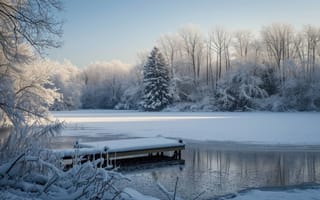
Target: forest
276 69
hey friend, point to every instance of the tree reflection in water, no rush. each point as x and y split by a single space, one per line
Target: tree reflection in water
219 171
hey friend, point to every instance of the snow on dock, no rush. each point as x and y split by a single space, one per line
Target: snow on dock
133 144
125 149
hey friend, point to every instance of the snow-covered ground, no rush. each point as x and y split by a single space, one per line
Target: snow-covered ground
260 127
292 194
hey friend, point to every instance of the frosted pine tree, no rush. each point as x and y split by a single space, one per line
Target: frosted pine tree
156 82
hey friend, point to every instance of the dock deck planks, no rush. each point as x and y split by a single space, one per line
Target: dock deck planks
114 150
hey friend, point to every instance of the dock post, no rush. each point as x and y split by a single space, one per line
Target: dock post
179 155
179 151
106 155
106 159
175 155
115 159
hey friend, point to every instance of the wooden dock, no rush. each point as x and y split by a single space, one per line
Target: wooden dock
126 152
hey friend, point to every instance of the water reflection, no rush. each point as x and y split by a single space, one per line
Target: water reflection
221 171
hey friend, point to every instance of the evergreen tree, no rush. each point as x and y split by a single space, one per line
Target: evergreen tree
156 82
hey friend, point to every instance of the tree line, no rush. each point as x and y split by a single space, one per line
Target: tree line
276 69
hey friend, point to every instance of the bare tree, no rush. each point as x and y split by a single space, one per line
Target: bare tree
170 45
242 40
299 49
257 51
277 38
28 21
209 70
220 41
312 38
193 45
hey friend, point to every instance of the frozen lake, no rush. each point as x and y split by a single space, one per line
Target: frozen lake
266 128
225 152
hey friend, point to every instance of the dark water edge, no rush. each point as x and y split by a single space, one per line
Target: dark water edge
216 169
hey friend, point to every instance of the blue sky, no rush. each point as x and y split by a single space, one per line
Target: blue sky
105 30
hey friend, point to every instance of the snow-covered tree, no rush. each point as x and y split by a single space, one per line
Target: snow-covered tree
297 94
66 78
278 54
26 27
26 92
240 90
132 96
156 82
103 84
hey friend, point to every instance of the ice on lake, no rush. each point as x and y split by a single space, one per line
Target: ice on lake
267 128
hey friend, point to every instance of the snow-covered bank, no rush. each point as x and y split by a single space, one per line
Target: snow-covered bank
261 127
292 194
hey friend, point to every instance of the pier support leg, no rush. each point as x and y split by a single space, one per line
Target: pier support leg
106 160
175 155
179 155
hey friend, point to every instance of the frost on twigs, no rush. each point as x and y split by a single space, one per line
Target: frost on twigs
27 138
33 177
28 170
241 89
